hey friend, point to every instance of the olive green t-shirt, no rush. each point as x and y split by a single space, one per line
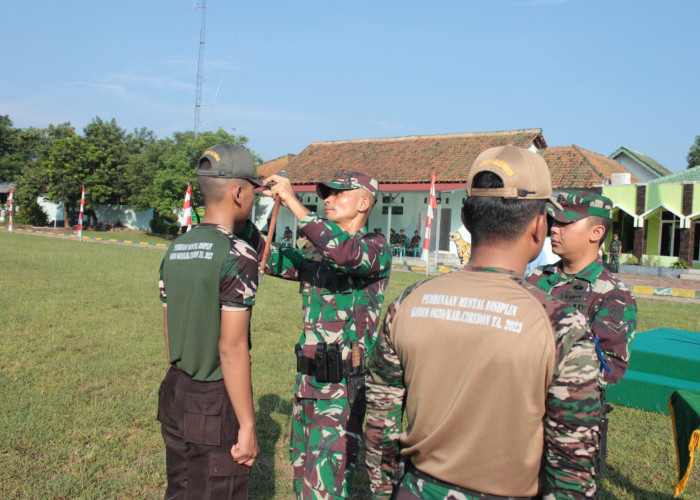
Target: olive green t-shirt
203 271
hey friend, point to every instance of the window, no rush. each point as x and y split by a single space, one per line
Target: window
394 210
669 234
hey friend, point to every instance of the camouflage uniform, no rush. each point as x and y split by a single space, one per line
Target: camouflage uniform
615 249
569 396
343 278
607 304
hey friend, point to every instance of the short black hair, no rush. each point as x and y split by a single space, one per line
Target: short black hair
494 219
213 188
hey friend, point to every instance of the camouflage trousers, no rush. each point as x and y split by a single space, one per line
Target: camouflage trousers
614 263
324 445
417 485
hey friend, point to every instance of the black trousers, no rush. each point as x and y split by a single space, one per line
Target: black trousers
199 428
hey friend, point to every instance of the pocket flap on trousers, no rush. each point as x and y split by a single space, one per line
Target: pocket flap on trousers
203 406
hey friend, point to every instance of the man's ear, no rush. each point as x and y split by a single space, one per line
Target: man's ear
596 233
539 228
364 204
236 190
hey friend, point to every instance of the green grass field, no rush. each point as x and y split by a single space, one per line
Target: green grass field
82 356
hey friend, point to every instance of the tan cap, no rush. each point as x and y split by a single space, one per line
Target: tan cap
525 174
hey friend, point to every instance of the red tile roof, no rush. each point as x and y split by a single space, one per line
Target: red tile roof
573 167
410 159
274 166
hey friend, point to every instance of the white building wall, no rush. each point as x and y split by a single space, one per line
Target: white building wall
413 205
109 214
633 167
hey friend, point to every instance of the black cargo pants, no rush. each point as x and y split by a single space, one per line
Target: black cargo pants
199 428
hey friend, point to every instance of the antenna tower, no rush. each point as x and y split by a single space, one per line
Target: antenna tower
200 65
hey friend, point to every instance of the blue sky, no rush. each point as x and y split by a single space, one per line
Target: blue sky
597 73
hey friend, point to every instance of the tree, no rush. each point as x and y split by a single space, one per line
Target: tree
66 170
36 152
106 154
160 173
694 153
10 165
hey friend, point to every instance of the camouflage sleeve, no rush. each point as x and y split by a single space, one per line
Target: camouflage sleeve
364 257
283 263
161 284
239 276
614 323
572 411
383 424
251 235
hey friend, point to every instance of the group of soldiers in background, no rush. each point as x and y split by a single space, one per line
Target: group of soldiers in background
400 243
500 378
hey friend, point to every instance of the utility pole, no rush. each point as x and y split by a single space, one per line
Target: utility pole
200 65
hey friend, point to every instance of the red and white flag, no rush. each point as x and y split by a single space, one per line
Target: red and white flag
9 202
186 208
432 205
79 231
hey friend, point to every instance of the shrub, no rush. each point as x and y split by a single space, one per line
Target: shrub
173 229
651 261
158 225
631 259
679 264
31 214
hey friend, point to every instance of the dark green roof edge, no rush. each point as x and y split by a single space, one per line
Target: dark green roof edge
652 164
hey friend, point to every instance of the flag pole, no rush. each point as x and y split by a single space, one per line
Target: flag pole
186 207
432 204
9 201
79 231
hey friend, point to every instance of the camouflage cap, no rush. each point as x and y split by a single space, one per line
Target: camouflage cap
228 161
347 180
579 205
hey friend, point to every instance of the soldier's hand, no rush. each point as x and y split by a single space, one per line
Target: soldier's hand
246 449
276 185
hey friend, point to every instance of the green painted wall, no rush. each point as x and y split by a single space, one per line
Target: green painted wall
658 260
696 199
622 195
653 229
670 195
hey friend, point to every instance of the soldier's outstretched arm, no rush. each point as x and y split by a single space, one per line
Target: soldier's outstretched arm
572 413
284 263
364 257
383 424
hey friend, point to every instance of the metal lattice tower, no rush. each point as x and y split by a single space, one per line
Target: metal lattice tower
200 65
